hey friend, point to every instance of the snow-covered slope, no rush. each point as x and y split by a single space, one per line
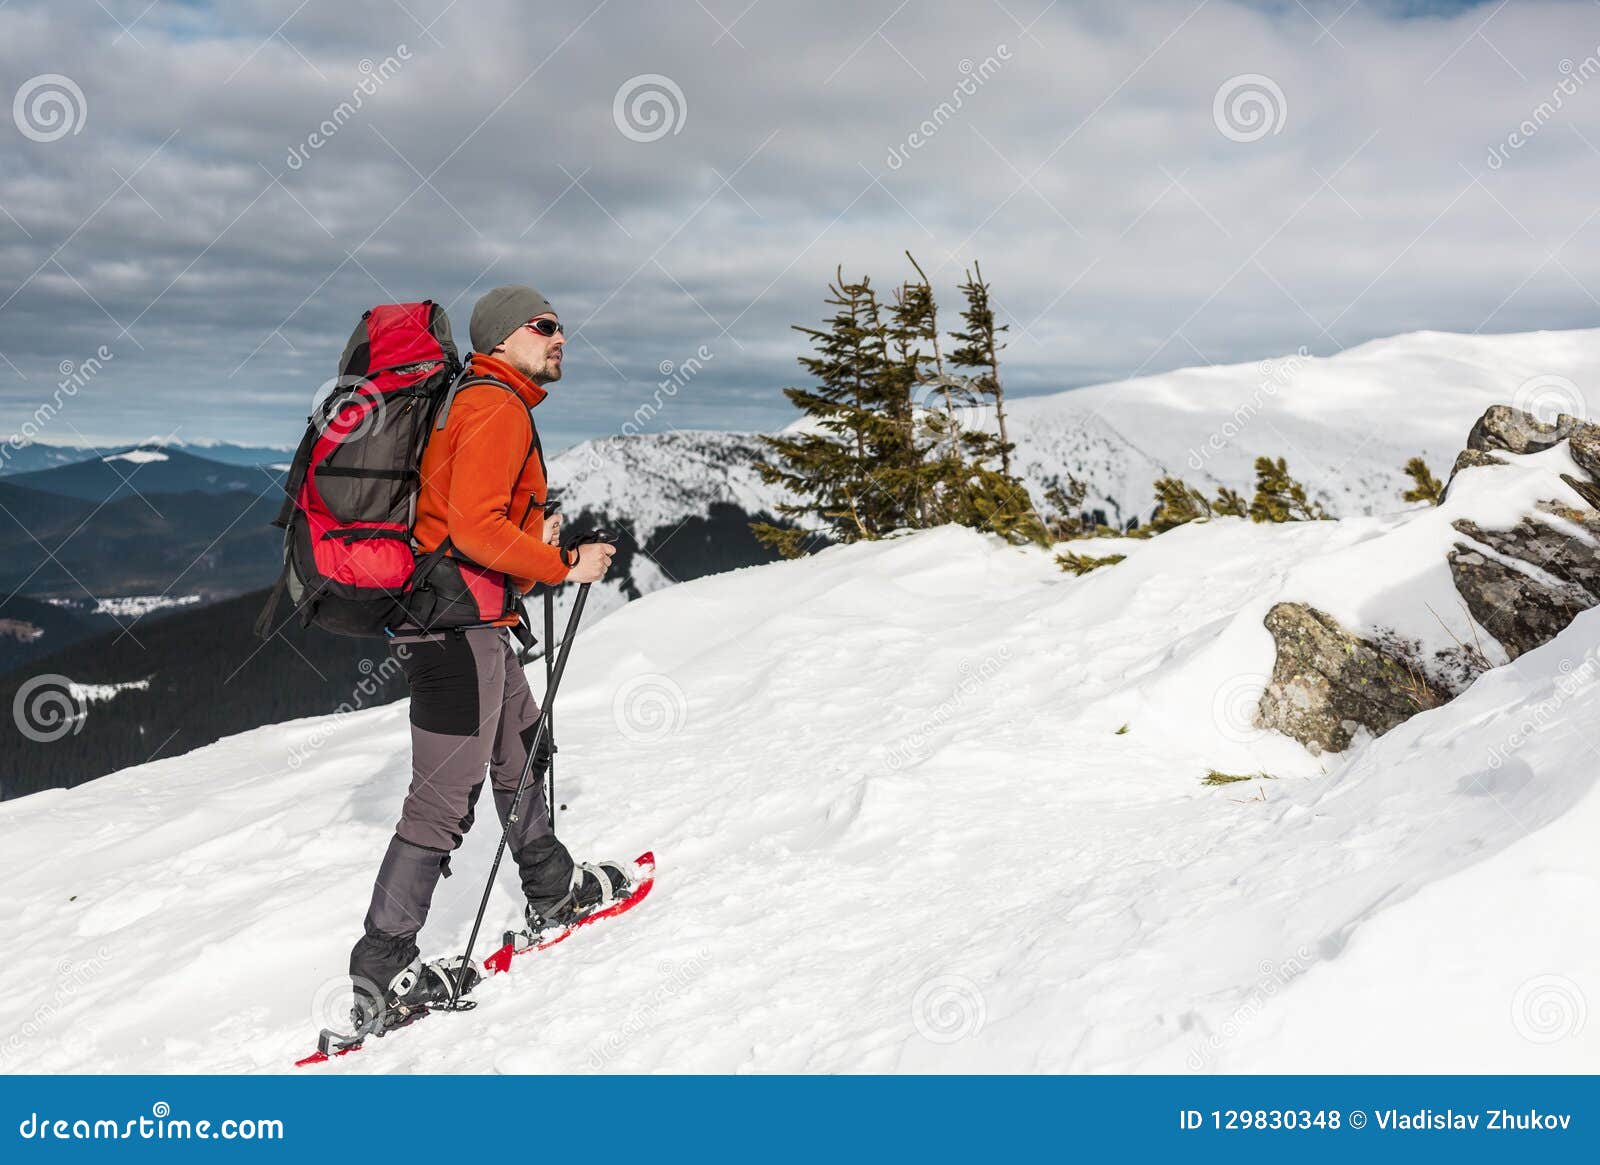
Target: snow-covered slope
1346 423
898 829
657 480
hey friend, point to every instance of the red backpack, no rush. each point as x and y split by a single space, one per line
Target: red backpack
352 489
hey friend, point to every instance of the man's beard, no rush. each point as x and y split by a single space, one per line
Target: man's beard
547 372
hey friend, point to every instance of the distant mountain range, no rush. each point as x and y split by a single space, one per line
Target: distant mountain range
40 455
60 546
148 469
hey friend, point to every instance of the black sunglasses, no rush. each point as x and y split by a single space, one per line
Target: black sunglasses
546 327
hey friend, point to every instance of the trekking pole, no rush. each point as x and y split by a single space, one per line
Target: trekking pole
549 711
527 768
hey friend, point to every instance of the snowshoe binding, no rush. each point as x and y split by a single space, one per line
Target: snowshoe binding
416 990
594 888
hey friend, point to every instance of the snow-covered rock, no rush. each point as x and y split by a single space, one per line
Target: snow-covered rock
1517 539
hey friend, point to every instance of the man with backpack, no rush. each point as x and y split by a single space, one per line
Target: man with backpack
483 539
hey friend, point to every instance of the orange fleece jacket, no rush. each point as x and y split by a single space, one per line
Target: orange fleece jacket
483 485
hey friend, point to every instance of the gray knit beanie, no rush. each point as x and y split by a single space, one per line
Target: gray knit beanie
502 311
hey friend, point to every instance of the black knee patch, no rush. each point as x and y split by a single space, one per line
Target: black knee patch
444 686
547 748
465 824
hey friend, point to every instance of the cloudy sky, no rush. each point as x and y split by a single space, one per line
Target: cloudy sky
1147 184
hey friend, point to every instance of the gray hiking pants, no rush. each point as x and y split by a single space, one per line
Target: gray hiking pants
472 719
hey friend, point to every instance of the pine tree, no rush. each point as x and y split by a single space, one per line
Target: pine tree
832 467
1279 497
993 501
1082 564
978 346
923 459
888 450
1177 503
1425 487
972 489
1230 503
1068 522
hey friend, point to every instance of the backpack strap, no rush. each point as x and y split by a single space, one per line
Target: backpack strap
424 568
465 381
263 621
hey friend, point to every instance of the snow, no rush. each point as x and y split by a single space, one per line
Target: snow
138 456
1346 424
93 693
660 479
898 830
135 606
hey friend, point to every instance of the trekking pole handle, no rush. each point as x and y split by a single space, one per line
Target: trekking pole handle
569 551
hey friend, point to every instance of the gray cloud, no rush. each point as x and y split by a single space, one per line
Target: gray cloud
1123 231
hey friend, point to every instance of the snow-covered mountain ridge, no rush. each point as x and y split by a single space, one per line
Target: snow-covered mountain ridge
1346 423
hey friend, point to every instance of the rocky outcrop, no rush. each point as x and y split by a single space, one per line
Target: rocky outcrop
1514 431
1519 611
1525 584
1508 430
1328 683
1522 585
